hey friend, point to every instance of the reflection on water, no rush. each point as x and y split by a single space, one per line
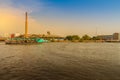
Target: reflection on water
60 61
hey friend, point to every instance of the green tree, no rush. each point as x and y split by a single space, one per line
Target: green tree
95 38
86 37
75 37
72 37
68 37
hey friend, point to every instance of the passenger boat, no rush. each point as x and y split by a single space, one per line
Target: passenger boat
25 41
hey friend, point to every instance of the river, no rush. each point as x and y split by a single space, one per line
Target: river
60 61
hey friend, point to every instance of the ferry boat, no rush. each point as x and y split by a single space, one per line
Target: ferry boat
25 41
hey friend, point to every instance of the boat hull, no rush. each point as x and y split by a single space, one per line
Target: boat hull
25 41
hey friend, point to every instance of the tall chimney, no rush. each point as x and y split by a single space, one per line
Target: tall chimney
26 25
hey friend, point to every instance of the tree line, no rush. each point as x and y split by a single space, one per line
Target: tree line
78 38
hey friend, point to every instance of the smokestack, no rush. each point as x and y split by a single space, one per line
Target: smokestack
26 25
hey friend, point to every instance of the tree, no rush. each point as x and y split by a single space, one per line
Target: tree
68 37
86 37
48 32
95 38
72 37
75 37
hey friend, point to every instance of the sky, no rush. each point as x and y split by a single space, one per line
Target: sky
61 17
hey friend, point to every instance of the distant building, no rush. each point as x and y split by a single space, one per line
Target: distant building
12 35
105 37
114 37
17 34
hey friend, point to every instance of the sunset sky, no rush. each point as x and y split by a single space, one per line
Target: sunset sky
61 17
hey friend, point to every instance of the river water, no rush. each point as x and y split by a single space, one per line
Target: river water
60 61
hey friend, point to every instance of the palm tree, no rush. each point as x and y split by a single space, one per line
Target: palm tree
48 32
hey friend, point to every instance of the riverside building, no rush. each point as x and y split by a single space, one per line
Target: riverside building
113 37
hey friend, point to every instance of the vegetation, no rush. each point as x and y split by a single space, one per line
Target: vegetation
83 38
95 38
48 33
72 37
86 37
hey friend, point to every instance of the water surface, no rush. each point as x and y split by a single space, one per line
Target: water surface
60 61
